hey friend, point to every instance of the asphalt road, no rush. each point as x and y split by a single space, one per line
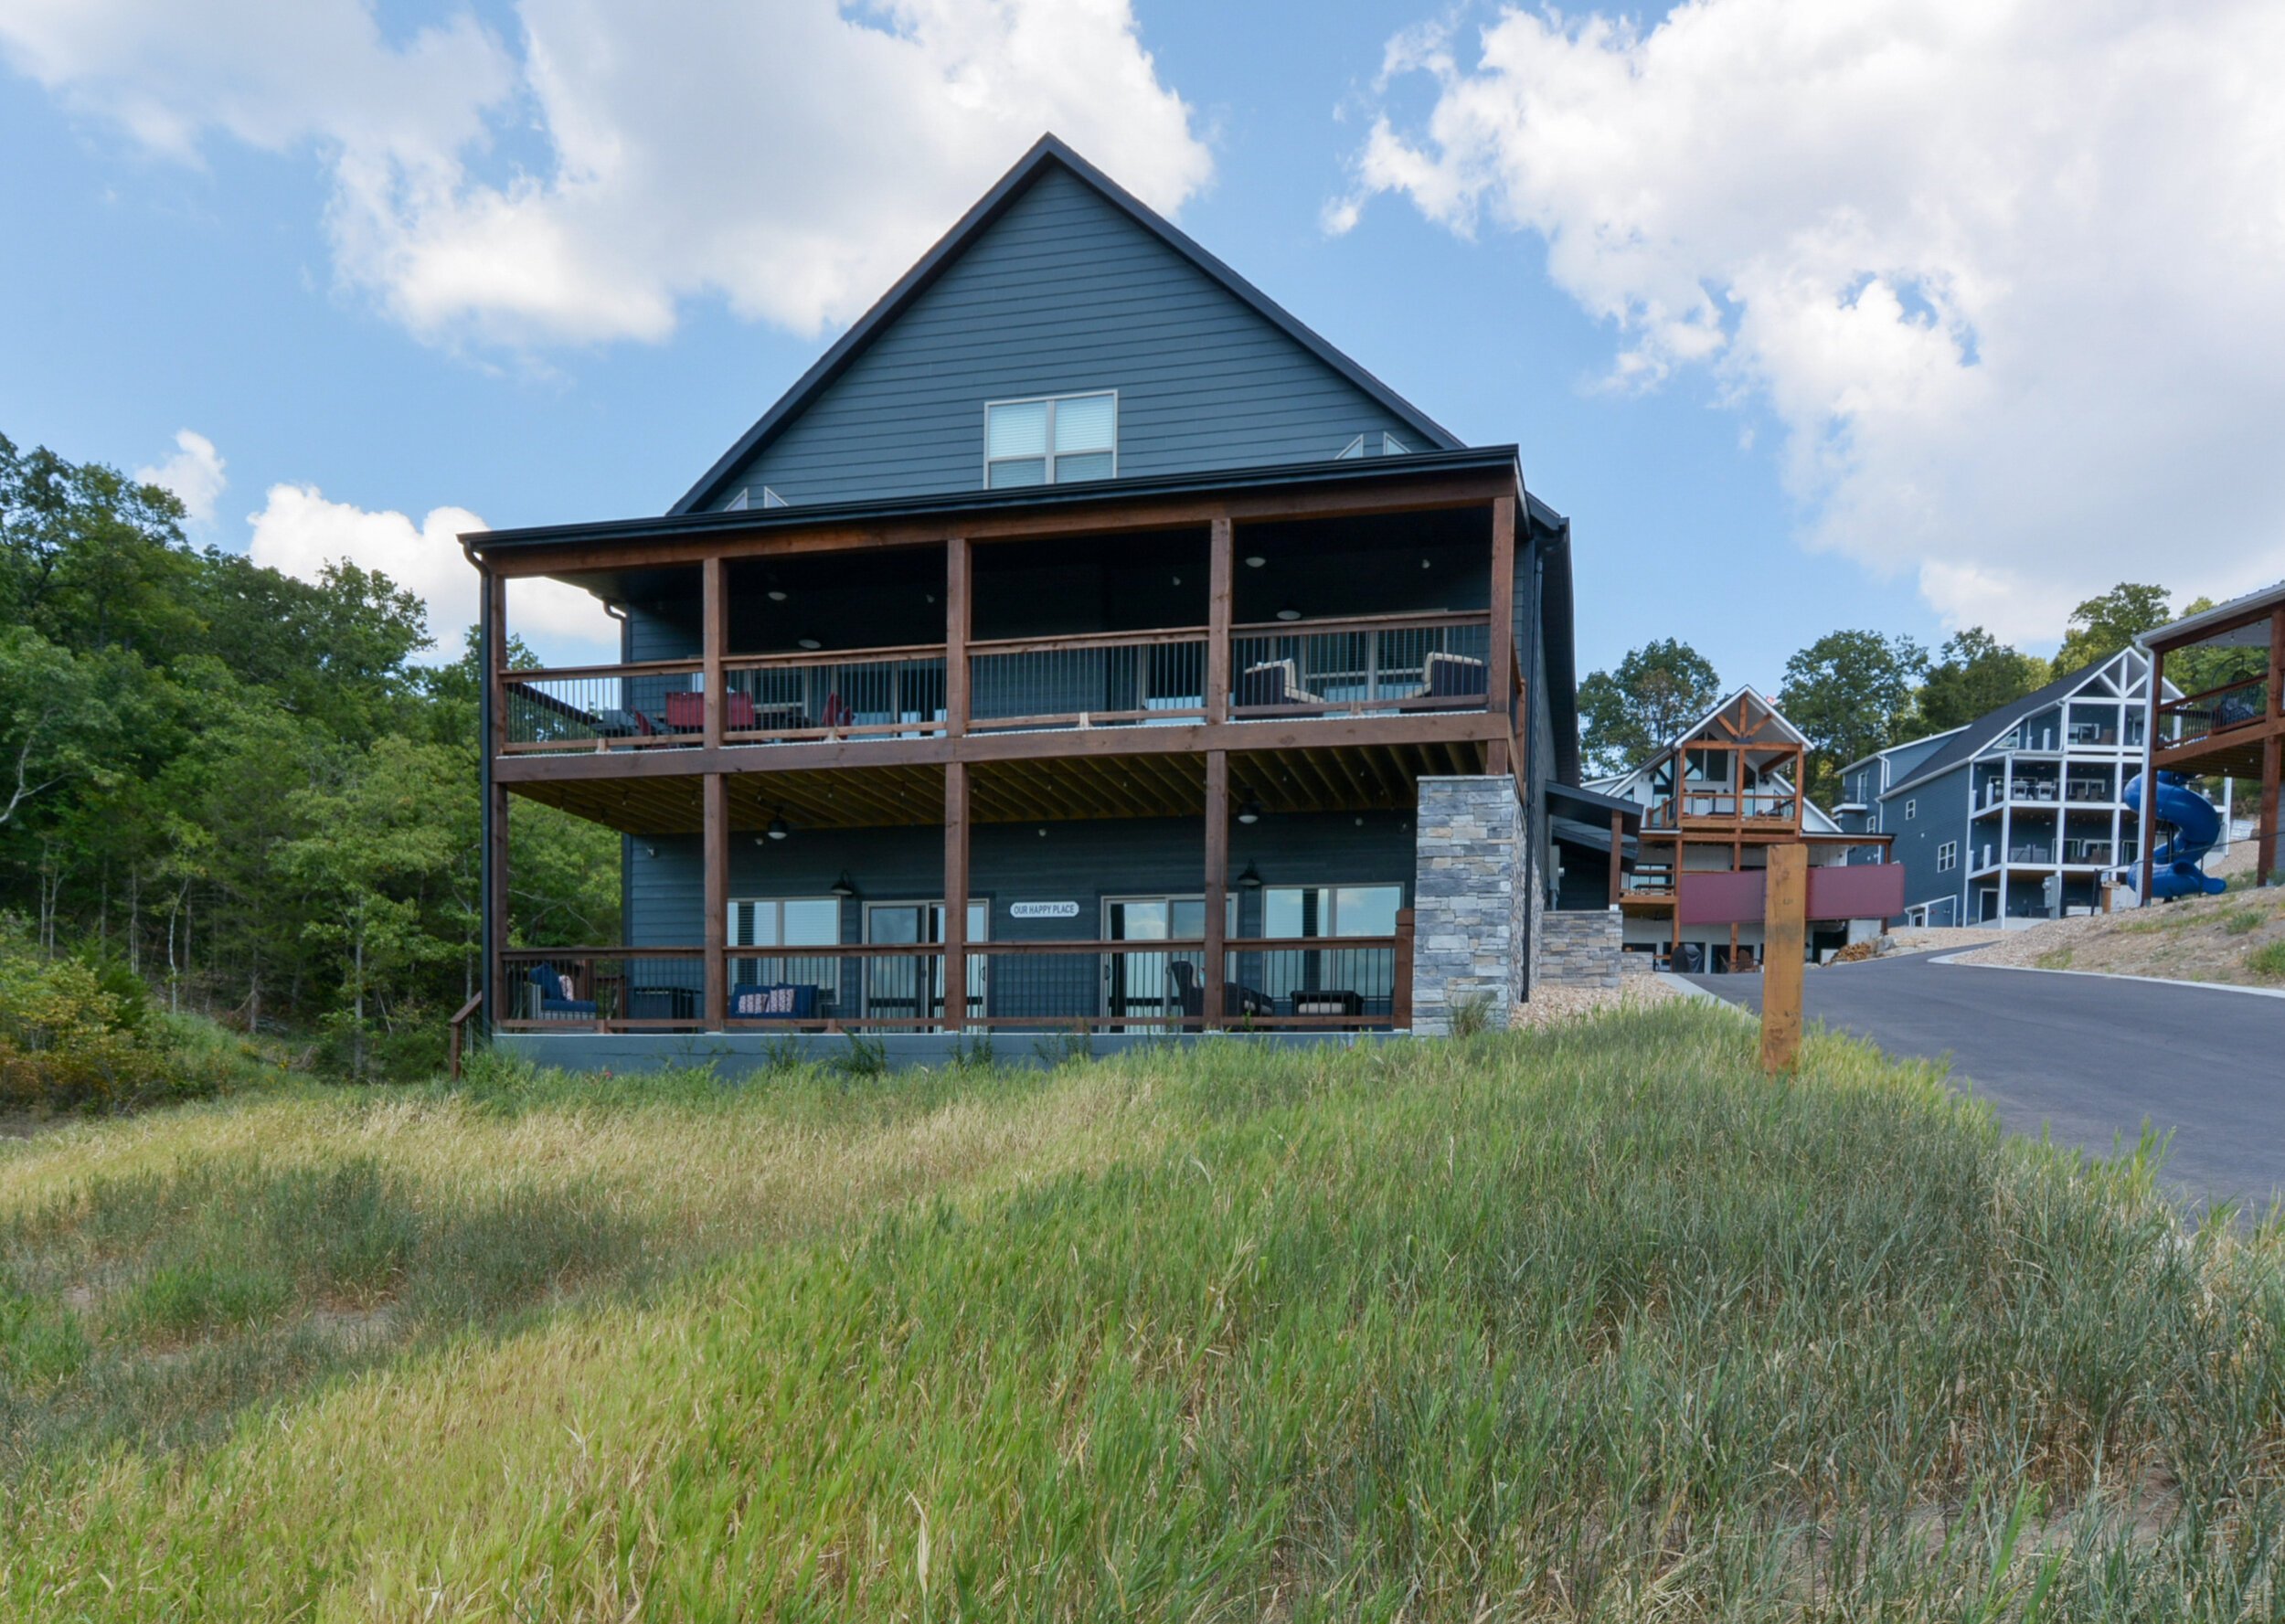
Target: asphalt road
2089 1059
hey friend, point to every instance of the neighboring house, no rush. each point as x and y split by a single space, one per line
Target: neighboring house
2013 818
1080 620
1715 800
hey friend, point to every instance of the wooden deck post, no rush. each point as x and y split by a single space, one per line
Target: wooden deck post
495 616
718 868
1500 694
715 613
2272 751
502 999
1217 882
959 578
1217 621
2145 821
955 896
1618 854
1784 925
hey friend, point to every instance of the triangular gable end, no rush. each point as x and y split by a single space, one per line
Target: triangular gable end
1762 722
1059 282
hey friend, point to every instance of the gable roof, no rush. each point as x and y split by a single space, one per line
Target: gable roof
1047 155
1981 734
1626 784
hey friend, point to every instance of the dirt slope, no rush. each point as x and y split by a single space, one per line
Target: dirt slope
2238 936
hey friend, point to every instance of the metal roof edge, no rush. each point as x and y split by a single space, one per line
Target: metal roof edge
1902 744
1048 149
1095 493
2246 605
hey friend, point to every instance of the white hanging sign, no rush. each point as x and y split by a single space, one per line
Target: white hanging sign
1042 911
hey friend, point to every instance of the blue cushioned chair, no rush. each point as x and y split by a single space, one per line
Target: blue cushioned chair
553 1005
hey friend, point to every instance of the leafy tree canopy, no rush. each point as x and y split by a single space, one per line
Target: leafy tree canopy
1850 693
2100 626
237 785
1628 715
1975 673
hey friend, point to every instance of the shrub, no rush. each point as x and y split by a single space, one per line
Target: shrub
2244 920
2267 960
66 1043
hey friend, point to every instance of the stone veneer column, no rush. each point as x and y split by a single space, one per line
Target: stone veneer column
1470 906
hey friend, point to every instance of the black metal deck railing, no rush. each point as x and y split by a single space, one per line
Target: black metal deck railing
1397 663
2218 710
1351 982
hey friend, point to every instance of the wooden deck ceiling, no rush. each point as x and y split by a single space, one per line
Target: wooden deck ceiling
1341 778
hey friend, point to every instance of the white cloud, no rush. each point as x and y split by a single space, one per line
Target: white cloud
298 532
2007 272
619 157
194 474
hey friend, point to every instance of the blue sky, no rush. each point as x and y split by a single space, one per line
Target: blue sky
189 270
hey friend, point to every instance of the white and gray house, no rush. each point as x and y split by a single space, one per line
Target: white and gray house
2014 818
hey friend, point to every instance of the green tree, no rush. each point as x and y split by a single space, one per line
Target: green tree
1628 715
2100 626
1975 673
1850 693
380 857
55 726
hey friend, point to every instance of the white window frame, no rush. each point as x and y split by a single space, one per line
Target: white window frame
1911 810
1050 402
1948 856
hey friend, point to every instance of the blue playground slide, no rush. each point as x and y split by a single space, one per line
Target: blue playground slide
2196 827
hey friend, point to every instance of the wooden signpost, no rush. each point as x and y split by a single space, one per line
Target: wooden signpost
1784 926
1784 898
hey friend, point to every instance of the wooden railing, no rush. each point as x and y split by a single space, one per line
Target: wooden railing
1725 807
1356 665
1349 982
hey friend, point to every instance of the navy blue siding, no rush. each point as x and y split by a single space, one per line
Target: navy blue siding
1073 862
1065 293
1941 814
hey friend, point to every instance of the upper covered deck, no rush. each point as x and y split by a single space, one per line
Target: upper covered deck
1371 611
2226 665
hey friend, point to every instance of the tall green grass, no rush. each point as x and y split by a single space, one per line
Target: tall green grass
1597 1324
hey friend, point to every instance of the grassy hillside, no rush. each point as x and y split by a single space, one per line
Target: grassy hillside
2238 936
1591 1323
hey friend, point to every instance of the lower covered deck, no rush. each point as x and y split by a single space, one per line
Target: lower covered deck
1087 893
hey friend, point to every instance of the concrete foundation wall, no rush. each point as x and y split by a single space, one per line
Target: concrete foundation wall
739 1054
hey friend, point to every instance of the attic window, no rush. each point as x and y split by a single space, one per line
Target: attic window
1056 440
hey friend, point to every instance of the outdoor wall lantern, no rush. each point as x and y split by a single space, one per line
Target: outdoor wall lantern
842 887
1250 880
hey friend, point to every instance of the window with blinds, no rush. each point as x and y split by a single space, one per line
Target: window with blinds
1057 440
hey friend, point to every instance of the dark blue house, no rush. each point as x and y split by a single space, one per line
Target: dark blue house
1078 621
